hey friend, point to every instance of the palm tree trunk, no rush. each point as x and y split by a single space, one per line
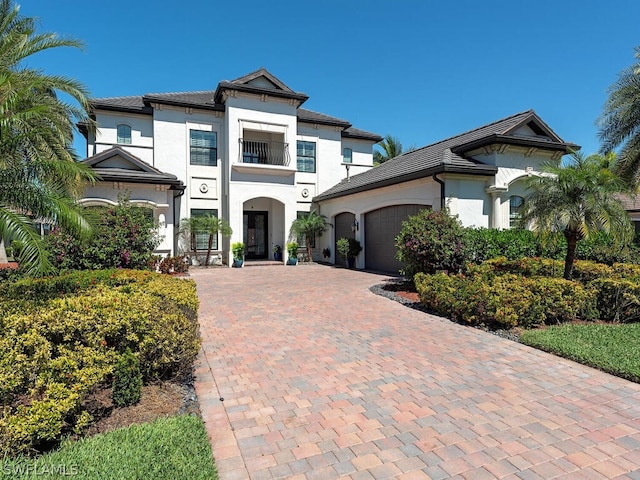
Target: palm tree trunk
209 245
572 242
307 240
3 253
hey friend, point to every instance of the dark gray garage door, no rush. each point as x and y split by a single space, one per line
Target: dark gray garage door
381 228
343 228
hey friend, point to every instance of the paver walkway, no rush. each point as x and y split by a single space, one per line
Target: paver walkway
323 379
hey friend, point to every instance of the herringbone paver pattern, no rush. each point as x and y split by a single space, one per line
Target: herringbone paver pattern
322 379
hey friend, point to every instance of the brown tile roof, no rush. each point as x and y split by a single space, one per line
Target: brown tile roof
443 156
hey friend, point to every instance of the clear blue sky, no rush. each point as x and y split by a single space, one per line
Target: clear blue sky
420 70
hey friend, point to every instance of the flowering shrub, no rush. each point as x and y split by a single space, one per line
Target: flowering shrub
430 242
124 236
61 337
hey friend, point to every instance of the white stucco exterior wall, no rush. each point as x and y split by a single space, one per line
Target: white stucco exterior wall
141 134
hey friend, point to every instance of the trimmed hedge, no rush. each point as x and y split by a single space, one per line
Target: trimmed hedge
508 300
60 338
531 291
485 243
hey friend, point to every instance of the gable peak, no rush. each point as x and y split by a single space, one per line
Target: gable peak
262 78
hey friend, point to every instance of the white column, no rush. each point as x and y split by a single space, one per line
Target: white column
496 213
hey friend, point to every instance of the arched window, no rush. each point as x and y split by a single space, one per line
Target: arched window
516 203
124 134
347 155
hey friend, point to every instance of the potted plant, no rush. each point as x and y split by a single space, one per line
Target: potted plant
277 253
292 251
237 248
348 249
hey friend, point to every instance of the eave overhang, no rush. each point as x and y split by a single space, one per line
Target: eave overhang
528 142
485 170
223 87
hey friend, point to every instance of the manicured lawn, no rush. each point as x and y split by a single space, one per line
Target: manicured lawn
169 448
611 348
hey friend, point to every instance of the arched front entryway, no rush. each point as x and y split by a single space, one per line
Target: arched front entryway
262 227
343 227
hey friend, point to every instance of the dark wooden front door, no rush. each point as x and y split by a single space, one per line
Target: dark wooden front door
255 234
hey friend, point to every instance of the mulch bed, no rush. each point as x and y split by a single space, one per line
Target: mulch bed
159 399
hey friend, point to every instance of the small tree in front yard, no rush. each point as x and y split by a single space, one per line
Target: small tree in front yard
209 225
430 242
307 227
578 200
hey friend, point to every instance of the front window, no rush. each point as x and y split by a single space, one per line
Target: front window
124 134
202 239
347 155
516 204
306 156
204 149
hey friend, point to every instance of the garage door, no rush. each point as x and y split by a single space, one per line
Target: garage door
381 228
343 223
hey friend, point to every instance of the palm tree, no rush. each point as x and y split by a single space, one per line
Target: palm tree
212 225
39 175
391 148
307 227
577 200
620 121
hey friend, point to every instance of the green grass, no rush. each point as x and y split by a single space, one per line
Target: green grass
169 448
612 348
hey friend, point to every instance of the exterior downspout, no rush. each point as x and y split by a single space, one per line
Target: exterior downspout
441 182
178 191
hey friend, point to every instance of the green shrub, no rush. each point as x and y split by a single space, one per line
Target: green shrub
617 300
601 247
173 265
62 337
127 381
508 300
485 243
124 236
430 242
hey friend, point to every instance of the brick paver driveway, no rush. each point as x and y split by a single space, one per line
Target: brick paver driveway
323 379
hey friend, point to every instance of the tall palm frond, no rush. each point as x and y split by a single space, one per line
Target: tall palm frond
391 148
40 177
620 121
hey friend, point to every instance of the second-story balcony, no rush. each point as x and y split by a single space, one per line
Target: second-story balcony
263 152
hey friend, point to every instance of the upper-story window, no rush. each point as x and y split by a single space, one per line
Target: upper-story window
347 155
204 150
516 204
124 134
306 156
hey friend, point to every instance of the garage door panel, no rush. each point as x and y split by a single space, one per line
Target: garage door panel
381 228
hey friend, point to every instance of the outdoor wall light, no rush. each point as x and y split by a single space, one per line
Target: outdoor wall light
356 226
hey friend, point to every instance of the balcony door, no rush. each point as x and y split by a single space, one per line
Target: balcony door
255 234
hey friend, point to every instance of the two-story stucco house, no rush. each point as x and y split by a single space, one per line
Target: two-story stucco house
245 152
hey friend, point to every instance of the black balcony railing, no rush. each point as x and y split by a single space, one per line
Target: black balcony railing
264 153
